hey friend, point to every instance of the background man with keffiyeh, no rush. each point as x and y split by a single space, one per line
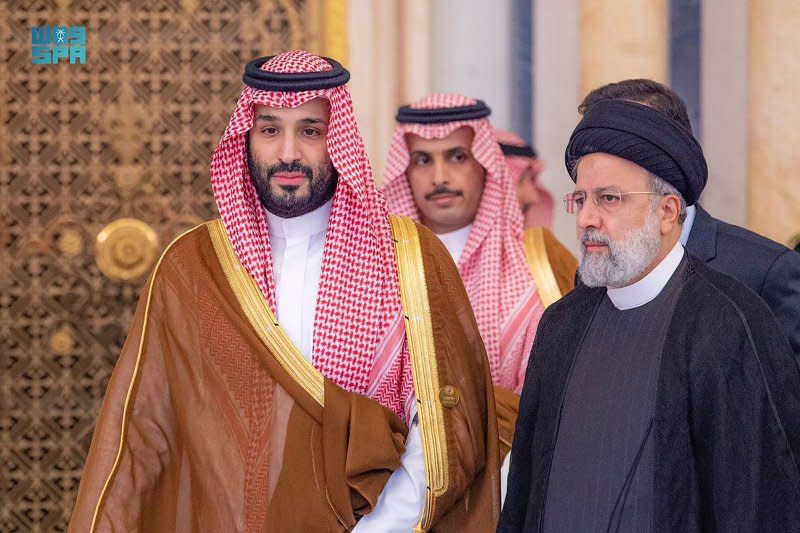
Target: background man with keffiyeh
282 373
524 165
446 170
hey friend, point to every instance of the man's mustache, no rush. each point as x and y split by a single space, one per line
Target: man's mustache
592 235
293 167
441 191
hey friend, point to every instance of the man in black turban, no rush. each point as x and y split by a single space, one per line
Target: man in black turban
661 395
769 268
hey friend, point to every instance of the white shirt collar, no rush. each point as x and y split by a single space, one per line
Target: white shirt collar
686 229
650 286
455 241
301 226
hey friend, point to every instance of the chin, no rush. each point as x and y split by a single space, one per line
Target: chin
290 190
445 220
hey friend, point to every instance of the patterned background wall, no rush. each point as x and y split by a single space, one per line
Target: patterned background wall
127 135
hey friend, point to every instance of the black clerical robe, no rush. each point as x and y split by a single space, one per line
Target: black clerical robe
727 412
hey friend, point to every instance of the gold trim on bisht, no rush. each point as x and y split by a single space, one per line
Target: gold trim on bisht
422 352
533 240
132 384
261 317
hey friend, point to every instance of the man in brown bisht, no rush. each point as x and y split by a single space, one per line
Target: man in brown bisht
446 170
306 363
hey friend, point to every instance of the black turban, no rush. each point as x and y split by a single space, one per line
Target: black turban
643 136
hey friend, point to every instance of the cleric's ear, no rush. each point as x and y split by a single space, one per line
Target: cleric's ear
669 212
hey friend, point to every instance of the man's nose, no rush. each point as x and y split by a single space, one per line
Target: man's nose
589 215
288 150
439 173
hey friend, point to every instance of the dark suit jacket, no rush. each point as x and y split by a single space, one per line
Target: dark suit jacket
770 269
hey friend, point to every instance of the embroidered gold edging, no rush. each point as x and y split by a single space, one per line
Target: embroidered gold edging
261 317
422 351
539 266
132 383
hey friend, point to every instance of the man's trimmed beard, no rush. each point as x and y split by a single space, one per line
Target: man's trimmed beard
322 185
626 258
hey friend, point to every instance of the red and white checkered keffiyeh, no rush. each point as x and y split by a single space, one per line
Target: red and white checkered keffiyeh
492 265
359 336
540 214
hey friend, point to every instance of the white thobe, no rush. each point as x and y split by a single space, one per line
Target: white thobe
455 241
297 246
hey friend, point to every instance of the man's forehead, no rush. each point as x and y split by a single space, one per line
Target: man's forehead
316 108
459 138
607 170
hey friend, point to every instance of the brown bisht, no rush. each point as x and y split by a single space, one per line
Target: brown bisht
192 439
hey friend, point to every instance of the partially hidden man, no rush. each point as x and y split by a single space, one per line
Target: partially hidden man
305 363
525 166
661 395
446 169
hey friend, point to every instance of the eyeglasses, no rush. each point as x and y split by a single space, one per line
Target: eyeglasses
609 200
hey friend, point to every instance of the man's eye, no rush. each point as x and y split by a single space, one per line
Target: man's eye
609 198
420 160
311 132
458 157
269 130
578 200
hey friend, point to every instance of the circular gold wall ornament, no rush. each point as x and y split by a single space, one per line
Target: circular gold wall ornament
128 177
61 342
70 242
126 249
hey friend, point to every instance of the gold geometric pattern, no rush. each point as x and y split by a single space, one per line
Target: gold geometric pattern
127 135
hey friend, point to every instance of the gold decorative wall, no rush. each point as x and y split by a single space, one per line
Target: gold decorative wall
101 166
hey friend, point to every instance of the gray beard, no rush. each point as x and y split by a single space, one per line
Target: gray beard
626 259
